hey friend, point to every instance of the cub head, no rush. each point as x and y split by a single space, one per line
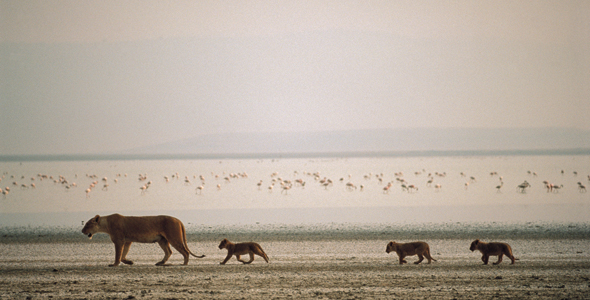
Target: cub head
91 226
474 245
223 244
392 246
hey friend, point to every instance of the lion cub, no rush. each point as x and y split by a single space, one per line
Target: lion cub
492 249
416 248
242 249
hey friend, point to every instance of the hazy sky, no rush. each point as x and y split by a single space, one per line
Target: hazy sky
102 76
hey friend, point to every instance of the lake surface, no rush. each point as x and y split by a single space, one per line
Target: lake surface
230 192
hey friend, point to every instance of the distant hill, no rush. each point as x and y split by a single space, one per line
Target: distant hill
377 140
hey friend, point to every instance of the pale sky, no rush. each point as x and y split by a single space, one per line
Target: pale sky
105 76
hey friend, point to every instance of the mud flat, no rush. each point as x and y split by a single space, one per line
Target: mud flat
319 268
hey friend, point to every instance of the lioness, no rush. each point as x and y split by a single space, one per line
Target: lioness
492 249
416 248
242 249
164 230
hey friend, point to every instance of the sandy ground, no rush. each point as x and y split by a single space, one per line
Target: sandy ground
550 269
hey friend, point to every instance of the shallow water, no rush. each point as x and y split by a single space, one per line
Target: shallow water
239 200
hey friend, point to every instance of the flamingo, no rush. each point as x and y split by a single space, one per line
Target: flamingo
386 188
285 189
523 186
404 187
556 188
548 186
350 186
581 187
200 189
498 187
437 187
144 188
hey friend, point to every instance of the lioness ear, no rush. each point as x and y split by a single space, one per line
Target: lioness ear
96 218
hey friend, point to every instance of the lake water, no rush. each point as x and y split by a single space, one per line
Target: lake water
230 192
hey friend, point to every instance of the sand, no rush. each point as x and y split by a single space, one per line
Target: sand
319 269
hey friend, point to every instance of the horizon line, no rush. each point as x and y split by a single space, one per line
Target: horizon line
280 155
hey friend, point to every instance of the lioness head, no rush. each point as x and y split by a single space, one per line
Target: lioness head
91 226
391 247
223 243
474 245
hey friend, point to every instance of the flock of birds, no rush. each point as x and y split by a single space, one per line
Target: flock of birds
277 182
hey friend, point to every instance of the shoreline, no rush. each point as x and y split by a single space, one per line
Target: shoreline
327 232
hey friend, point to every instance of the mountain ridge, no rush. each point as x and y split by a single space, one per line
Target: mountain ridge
376 140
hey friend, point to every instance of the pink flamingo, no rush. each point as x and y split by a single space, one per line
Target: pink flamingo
350 186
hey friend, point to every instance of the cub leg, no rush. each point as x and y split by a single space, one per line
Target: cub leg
239 259
499 259
167 251
262 254
511 257
229 255
124 255
420 259
427 254
485 259
251 259
401 259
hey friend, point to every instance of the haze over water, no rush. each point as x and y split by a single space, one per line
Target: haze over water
239 199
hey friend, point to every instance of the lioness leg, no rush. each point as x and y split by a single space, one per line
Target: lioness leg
420 259
167 251
118 252
499 258
179 246
124 255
